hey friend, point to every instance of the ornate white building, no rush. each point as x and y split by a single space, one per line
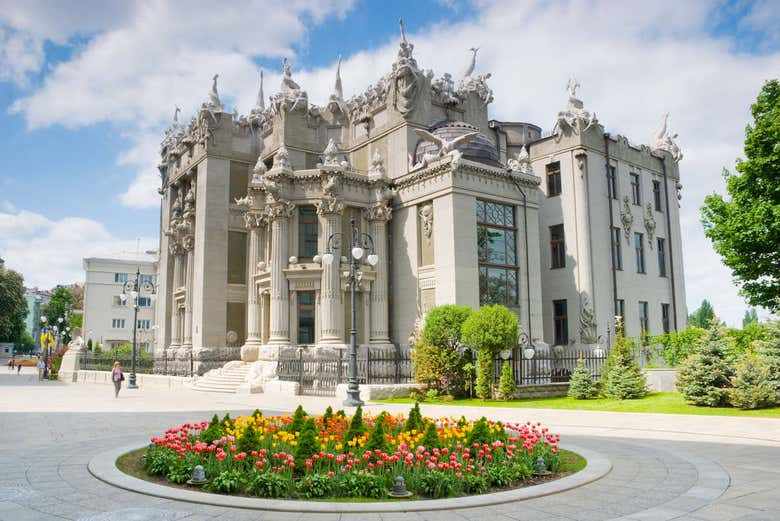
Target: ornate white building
567 230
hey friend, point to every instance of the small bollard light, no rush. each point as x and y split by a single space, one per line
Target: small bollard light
540 467
399 489
198 476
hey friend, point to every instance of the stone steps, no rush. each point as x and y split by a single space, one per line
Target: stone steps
224 380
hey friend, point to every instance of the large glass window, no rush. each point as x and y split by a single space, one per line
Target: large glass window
307 231
661 256
617 253
497 252
636 195
639 246
560 323
554 179
643 318
306 306
557 247
657 196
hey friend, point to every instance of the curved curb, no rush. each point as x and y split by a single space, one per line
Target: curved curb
103 467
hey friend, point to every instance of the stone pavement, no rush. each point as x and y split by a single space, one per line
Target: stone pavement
664 466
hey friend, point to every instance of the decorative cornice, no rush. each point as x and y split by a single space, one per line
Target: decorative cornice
378 212
280 209
330 205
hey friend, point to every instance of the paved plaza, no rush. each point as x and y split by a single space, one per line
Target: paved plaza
663 466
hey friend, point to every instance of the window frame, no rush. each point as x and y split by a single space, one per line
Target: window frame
657 200
554 179
309 219
306 307
617 247
557 247
639 252
661 253
644 317
636 189
612 184
560 323
120 278
484 265
117 323
620 309
665 317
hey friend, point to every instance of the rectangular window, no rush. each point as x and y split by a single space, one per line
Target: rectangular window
617 252
620 308
120 277
639 246
236 256
238 182
636 196
661 256
146 279
306 306
144 302
657 196
612 182
497 253
307 231
554 179
117 301
557 247
643 318
665 317
144 324
561 323
118 323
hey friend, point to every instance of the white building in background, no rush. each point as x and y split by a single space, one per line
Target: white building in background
108 319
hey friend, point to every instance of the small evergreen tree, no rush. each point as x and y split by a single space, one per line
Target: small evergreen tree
227 421
431 438
214 431
249 440
581 385
378 439
484 387
298 421
257 414
480 433
490 330
506 384
89 344
623 380
414 421
703 378
356 427
753 387
769 352
328 415
307 445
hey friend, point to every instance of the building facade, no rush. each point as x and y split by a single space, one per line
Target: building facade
460 209
108 319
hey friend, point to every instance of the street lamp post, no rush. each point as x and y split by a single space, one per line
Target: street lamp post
135 288
359 243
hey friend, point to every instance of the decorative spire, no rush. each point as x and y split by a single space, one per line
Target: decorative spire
338 91
214 103
176 116
260 103
259 169
471 65
331 153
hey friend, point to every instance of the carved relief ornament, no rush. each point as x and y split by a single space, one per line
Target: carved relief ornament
426 219
650 224
626 218
330 205
280 210
378 212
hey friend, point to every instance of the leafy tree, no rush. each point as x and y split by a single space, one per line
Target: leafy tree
676 346
768 350
506 384
60 306
746 338
13 305
750 317
703 378
703 316
745 228
444 325
25 344
752 383
489 330
436 357
581 386
623 380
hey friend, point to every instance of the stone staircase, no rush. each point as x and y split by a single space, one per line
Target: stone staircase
226 379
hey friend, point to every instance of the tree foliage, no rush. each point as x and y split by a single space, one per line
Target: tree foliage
703 378
437 358
506 384
703 316
444 324
676 346
491 328
60 306
623 380
13 305
581 386
768 350
752 383
751 317
745 227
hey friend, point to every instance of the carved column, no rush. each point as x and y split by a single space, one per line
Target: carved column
253 223
331 304
189 247
279 214
377 216
176 251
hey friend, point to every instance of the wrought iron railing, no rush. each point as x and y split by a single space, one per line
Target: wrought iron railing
164 364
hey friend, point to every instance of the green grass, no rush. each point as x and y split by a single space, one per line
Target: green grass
662 403
571 461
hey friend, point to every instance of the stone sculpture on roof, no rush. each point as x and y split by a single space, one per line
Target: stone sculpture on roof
406 77
446 147
291 97
663 139
214 104
521 162
575 118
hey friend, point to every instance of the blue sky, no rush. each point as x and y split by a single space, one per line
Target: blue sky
86 92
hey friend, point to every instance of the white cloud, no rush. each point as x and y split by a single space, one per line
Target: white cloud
8 206
50 252
634 61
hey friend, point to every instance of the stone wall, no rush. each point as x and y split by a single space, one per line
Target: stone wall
542 390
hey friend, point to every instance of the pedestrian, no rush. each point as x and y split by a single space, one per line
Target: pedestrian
41 367
117 377
11 365
18 368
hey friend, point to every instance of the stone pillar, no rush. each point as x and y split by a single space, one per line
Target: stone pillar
378 216
279 214
249 351
175 328
188 274
331 308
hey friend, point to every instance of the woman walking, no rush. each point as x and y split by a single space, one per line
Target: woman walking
117 376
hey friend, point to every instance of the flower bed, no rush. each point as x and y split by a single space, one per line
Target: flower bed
331 455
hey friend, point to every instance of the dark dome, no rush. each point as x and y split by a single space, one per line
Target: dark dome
480 149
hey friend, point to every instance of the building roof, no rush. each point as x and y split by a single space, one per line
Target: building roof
481 149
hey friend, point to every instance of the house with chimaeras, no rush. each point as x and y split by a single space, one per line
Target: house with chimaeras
568 229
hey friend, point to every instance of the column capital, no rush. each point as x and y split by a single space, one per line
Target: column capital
378 212
330 205
254 219
280 209
175 248
188 242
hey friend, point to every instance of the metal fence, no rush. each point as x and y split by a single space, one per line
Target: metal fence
545 368
147 364
320 376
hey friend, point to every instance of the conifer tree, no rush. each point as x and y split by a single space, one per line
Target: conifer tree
703 378
623 380
307 445
753 387
430 439
581 385
356 427
506 384
414 421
